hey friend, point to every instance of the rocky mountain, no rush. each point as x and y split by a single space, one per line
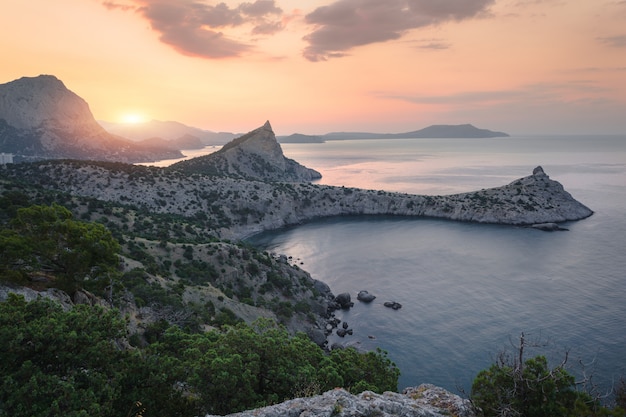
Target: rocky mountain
424 401
41 119
169 131
253 156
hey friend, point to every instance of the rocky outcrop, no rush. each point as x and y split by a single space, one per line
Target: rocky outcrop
41 119
423 401
254 156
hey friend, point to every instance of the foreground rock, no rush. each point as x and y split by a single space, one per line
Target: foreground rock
423 401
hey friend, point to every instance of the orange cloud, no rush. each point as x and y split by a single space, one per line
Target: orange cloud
345 24
195 28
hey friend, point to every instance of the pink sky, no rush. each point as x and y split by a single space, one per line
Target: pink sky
520 66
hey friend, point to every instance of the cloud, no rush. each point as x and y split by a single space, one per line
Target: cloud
111 5
434 44
345 24
618 41
195 28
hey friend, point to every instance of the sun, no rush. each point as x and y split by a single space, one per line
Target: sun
133 118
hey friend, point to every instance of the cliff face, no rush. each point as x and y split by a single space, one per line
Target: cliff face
423 401
254 156
41 119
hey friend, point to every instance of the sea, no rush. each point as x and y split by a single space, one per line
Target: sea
469 291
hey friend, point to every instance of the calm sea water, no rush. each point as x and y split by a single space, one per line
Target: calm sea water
469 290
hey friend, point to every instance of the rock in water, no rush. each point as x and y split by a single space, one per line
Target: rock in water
365 296
343 301
393 304
256 155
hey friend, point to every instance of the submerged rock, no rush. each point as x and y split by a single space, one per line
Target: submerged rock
393 304
548 227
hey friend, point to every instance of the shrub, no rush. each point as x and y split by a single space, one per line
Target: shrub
516 387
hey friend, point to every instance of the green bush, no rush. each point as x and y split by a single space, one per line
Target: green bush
73 363
47 239
518 387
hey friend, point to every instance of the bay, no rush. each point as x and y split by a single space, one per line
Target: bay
469 290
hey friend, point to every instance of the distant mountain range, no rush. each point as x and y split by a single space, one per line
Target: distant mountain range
434 131
180 136
174 134
41 119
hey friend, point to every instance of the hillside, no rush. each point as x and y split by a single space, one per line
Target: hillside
41 119
253 156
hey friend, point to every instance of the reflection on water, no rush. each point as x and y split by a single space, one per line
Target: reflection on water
468 289
188 154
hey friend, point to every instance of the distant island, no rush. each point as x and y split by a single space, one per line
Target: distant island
431 132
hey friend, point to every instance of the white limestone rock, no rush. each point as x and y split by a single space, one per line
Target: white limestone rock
423 401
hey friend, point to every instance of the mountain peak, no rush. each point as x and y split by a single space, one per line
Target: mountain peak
41 119
30 102
256 155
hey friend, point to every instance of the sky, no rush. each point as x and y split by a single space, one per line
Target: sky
319 66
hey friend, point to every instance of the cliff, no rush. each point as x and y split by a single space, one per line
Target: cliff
41 119
253 156
423 401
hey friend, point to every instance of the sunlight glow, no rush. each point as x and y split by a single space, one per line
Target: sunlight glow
133 118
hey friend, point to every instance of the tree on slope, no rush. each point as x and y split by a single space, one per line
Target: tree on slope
47 239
